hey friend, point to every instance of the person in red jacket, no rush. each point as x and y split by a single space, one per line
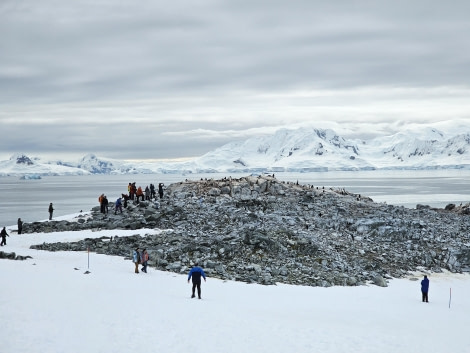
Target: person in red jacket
101 201
144 259
133 191
140 193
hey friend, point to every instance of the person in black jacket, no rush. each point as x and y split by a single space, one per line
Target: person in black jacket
20 225
51 210
4 236
196 273
105 205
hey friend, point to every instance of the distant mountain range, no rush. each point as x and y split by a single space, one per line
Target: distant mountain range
301 150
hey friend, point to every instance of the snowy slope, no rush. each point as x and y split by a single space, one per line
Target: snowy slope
49 304
300 150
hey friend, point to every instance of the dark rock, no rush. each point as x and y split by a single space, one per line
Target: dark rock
13 256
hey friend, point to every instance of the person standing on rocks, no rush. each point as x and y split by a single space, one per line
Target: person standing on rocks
4 236
136 259
145 259
140 194
196 273
20 225
160 190
51 210
106 204
126 198
118 205
101 201
425 288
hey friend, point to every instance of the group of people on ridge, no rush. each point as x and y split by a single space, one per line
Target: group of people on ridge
134 193
148 193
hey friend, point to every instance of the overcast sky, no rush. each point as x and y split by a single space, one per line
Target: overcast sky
173 79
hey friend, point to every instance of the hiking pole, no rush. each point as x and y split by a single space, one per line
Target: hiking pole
450 296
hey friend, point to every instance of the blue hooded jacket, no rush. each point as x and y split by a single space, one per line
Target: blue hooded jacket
196 272
425 285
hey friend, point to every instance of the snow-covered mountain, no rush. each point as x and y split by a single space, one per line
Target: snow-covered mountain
21 164
288 150
300 150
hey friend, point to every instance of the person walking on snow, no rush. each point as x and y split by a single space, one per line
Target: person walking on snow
196 273
51 210
145 258
136 259
425 288
4 236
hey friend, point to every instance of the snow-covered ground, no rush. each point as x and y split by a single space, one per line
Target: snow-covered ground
48 304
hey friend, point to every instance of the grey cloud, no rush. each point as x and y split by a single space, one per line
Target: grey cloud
96 50
221 66
126 140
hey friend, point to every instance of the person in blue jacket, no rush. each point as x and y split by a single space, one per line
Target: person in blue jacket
425 288
118 205
196 273
136 259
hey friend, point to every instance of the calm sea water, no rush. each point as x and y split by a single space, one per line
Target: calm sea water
29 199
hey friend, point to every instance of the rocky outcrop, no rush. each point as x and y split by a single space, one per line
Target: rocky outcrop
13 256
258 229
